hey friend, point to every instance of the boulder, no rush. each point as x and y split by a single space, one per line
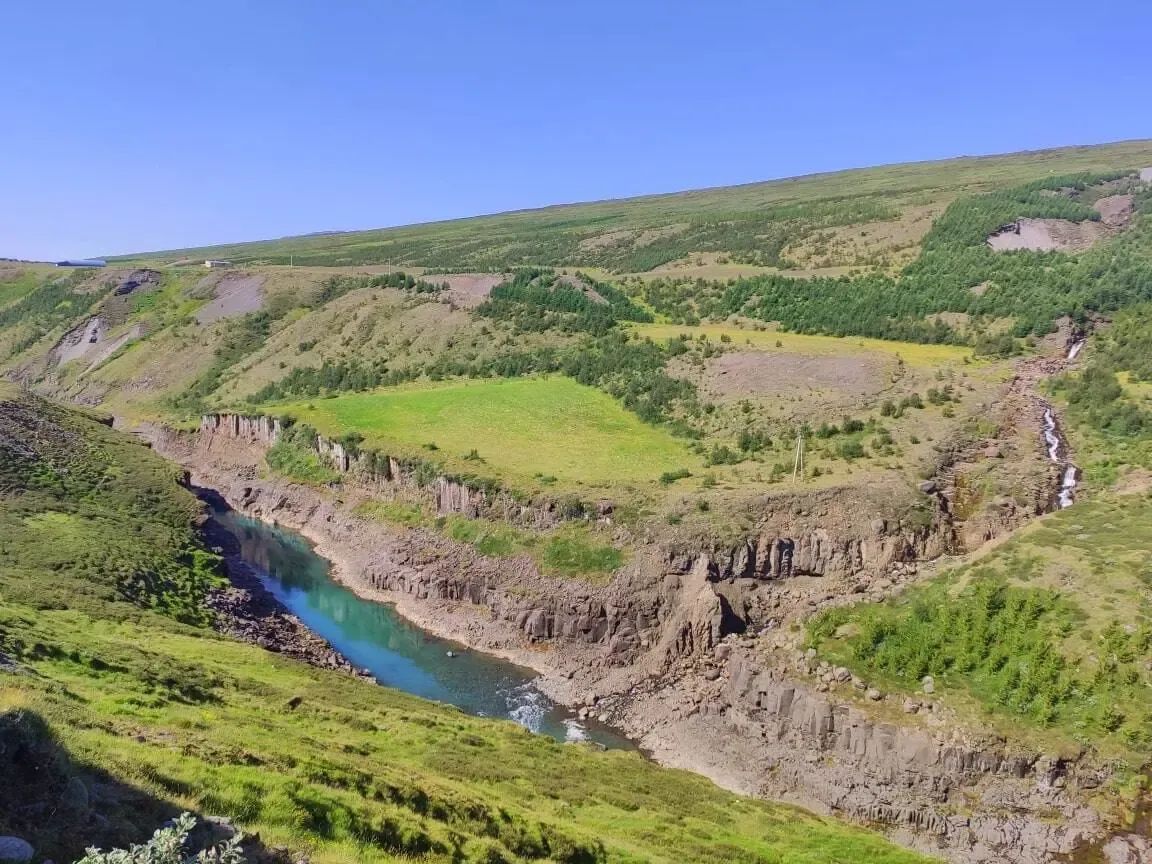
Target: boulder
927 487
1127 849
13 850
74 801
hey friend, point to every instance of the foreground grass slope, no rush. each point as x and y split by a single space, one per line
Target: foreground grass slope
763 225
119 706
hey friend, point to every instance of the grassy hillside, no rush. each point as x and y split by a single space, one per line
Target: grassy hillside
126 707
877 366
774 224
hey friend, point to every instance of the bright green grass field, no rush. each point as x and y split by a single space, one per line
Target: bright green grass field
521 428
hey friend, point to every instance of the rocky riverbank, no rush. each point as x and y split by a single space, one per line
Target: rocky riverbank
247 611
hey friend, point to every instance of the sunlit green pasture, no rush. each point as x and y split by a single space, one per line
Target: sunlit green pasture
521 429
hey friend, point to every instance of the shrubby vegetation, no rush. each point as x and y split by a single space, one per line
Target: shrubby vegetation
536 299
343 376
169 846
1032 288
337 286
753 236
242 336
971 219
1097 401
1054 658
292 455
245 335
49 305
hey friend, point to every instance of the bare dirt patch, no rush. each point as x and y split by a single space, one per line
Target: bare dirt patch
631 237
605 240
81 341
956 320
760 373
1115 210
1137 481
109 347
1047 235
235 294
469 290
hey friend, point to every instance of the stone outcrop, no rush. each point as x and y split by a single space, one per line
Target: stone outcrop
392 476
966 795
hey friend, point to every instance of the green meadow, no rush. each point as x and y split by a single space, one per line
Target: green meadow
520 429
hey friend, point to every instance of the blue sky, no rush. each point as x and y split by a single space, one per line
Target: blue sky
129 126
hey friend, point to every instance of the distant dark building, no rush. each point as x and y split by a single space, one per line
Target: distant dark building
81 262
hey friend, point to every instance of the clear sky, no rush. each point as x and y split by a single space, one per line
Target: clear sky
132 126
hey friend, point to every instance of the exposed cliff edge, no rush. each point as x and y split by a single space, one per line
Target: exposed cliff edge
691 646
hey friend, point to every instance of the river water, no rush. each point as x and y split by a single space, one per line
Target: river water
1066 494
399 654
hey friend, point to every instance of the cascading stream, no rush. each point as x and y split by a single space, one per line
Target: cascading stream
1068 479
1076 348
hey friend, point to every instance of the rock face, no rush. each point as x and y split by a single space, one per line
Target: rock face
390 475
920 780
671 601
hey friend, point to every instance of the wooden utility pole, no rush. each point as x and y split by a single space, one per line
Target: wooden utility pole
798 466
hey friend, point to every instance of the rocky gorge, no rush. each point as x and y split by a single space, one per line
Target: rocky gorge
694 648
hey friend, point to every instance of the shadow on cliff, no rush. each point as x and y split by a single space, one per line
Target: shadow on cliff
62 806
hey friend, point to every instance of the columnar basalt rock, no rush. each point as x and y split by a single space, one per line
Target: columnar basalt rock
384 474
253 429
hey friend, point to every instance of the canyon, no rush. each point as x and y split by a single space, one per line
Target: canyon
696 650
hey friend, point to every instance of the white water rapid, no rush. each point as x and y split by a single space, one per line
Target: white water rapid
1076 348
1052 440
